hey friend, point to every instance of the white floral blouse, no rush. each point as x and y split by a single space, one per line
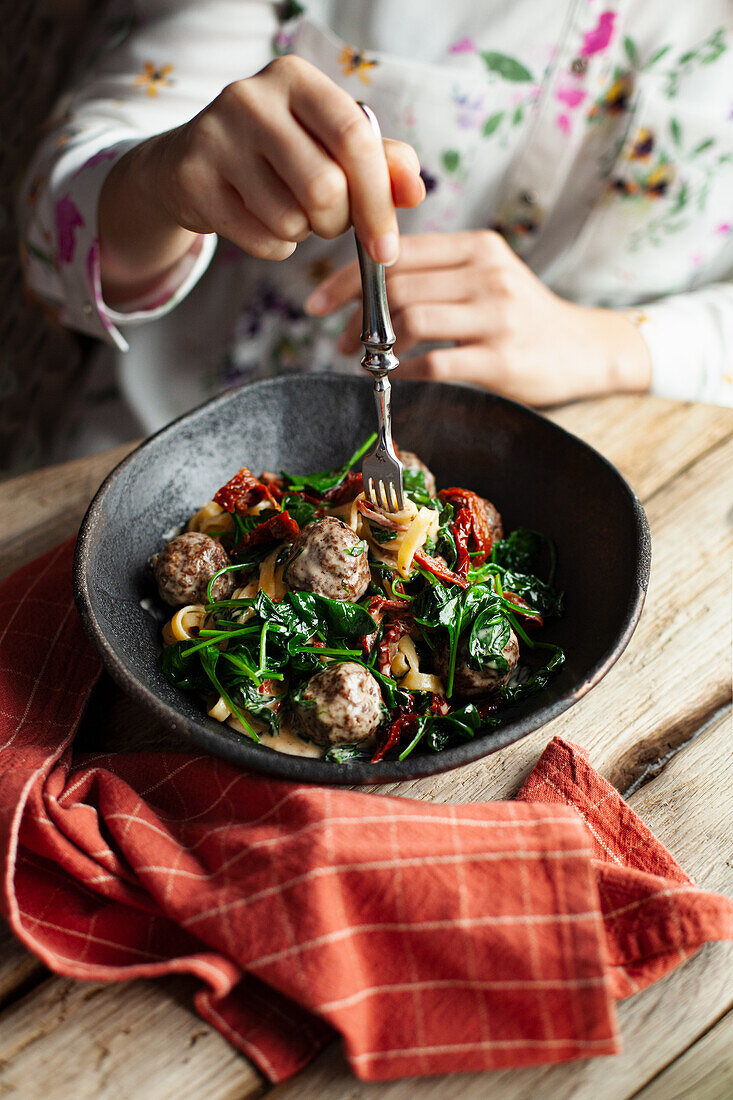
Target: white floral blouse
596 135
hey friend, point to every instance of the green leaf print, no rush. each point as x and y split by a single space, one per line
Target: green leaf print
631 51
705 54
657 56
676 131
518 115
508 68
681 201
715 47
40 254
491 123
707 144
451 160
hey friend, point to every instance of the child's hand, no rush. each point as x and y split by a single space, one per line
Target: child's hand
273 158
510 332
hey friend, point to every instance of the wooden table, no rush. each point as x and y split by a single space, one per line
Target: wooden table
658 726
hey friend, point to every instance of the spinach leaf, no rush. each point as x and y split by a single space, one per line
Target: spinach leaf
413 483
343 754
526 551
436 606
257 703
186 675
382 534
300 622
440 732
336 620
327 479
302 511
540 596
445 541
209 659
489 635
512 693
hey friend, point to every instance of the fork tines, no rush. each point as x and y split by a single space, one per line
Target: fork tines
384 492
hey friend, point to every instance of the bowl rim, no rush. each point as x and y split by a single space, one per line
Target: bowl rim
314 770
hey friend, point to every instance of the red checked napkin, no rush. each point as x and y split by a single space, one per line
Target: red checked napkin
432 938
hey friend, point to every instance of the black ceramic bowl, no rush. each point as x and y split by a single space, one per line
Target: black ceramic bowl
538 475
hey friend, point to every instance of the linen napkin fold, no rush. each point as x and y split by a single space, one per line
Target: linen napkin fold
431 938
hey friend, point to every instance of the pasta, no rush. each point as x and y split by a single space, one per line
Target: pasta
315 623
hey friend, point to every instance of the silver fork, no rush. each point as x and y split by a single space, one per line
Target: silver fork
381 470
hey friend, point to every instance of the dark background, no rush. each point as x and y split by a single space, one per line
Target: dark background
39 360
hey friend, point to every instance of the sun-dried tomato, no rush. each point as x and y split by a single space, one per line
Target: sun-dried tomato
465 498
439 704
439 569
242 491
462 528
396 630
269 687
489 706
378 607
376 516
279 528
350 487
405 724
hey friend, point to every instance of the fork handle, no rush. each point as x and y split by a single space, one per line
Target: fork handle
377 334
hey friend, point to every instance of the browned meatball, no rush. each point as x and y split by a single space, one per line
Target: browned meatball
472 681
328 558
185 567
494 519
411 462
340 706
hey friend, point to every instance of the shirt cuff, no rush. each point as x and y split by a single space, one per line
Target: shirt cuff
73 279
163 298
688 345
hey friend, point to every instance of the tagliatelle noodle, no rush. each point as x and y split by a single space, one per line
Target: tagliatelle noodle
220 711
185 624
425 523
246 592
210 517
270 581
413 679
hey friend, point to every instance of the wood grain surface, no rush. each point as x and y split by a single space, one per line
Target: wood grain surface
659 726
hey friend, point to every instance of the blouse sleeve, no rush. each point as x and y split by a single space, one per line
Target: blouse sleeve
690 340
155 70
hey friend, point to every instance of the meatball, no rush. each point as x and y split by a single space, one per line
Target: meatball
411 462
493 517
340 706
472 681
328 558
184 568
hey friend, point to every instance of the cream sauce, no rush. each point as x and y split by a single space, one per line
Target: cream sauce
286 740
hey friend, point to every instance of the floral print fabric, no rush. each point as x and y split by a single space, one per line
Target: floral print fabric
597 136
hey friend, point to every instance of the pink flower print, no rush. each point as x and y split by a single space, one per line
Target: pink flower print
463 45
571 96
284 41
563 122
68 218
597 39
724 229
97 158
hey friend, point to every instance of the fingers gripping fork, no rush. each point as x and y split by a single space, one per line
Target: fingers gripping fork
381 470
